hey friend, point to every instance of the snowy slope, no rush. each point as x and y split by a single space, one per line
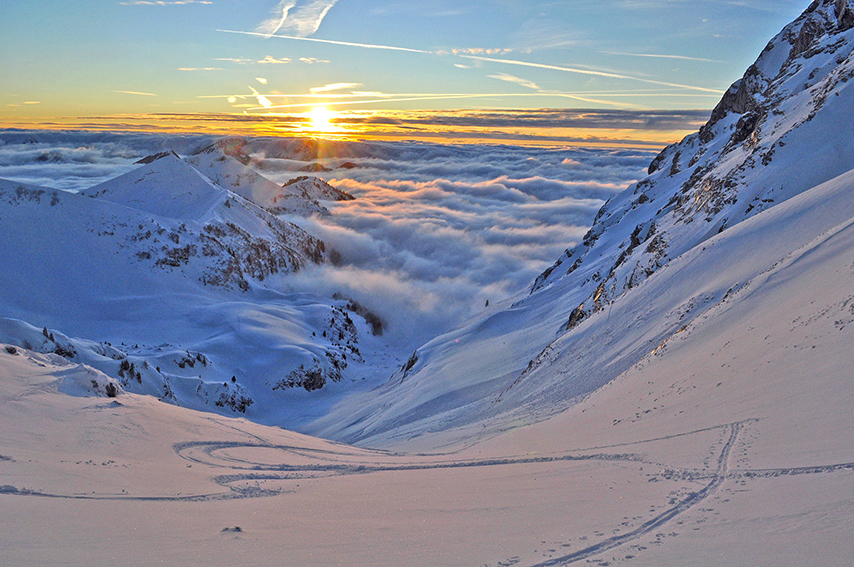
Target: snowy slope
165 187
728 444
694 411
233 175
192 283
779 132
299 196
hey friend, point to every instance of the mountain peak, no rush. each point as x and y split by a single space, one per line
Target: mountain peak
154 157
165 186
733 168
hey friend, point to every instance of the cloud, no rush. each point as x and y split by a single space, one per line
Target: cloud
75 161
312 60
163 3
589 72
335 87
135 93
267 60
511 79
192 69
476 51
435 231
262 100
238 60
278 15
659 56
329 41
301 18
261 80
543 33
270 60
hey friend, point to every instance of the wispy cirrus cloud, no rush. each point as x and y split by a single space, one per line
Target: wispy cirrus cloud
268 60
335 87
589 72
662 56
163 3
330 41
238 60
516 80
301 18
134 93
277 18
262 100
476 51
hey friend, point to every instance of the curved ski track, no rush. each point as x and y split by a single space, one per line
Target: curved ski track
237 472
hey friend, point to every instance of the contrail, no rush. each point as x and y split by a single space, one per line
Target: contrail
489 59
347 43
135 93
420 97
586 72
656 56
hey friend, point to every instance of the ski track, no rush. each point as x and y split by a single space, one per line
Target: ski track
352 461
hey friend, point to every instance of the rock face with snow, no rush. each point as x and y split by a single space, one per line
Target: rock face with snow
781 129
189 272
779 133
227 238
300 196
313 188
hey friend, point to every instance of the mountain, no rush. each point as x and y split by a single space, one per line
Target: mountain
187 278
680 403
781 132
230 173
306 187
235 237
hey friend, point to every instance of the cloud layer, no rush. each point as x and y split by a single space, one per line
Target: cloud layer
435 231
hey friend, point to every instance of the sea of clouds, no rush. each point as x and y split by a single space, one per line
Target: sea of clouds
435 230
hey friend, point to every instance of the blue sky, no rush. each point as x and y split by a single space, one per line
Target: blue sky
107 57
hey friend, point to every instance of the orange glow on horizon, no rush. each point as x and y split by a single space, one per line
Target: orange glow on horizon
322 122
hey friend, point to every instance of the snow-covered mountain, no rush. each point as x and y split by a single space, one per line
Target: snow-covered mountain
232 235
780 132
675 391
188 275
299 196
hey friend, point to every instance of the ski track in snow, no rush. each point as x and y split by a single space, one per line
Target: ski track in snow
243 470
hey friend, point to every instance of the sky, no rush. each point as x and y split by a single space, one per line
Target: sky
334 65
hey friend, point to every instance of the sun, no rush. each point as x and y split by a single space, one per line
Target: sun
321 119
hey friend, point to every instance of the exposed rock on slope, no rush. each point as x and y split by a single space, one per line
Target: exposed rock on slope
782 128
308 187
299 196
219 236
165 256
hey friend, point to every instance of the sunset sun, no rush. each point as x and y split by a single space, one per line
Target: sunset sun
321 119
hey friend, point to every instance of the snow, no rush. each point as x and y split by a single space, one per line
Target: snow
170 189
694 413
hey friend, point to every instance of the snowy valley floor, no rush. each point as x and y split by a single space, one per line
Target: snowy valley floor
727 446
